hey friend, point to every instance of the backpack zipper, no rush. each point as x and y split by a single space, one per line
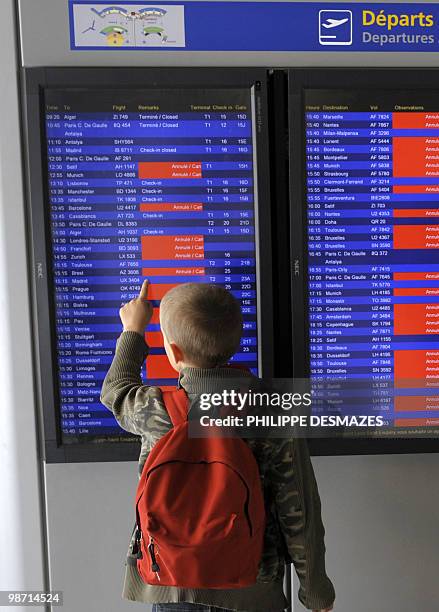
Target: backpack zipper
157 552
154 565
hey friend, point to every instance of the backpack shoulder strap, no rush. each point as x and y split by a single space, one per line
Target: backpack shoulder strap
177 405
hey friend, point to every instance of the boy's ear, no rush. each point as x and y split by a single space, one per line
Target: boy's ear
177 353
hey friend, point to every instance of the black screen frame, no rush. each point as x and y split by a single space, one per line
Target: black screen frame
335 79
35 80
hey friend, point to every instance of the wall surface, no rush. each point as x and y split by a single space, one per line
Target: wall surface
22 563
382 531
380 512
90 516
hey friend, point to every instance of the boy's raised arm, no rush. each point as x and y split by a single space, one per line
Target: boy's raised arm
123 392
299 512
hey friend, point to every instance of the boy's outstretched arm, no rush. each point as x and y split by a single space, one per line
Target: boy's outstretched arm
299 512
137 407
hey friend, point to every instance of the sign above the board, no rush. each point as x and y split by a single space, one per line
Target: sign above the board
253 26
129 26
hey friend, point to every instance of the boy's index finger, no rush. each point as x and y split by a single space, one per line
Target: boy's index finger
143 295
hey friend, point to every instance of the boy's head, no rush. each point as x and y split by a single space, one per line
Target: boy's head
201 325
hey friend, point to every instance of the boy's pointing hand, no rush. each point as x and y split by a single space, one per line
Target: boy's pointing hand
136 314
143 295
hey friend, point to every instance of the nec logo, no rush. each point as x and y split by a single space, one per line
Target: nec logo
335 27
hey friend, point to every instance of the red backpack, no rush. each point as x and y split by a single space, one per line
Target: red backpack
199 509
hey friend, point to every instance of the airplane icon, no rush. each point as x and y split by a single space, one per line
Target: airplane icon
333 23
335 27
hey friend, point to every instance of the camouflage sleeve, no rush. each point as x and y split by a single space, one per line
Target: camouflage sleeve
299 513
138 408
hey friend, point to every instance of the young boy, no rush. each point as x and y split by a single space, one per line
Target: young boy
202 327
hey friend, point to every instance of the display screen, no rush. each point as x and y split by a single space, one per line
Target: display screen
157 184
372 204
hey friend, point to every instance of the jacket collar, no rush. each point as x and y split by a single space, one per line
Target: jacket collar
206 380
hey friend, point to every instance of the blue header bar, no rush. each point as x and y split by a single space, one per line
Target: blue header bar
254 26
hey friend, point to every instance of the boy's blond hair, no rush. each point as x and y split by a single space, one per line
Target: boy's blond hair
204 321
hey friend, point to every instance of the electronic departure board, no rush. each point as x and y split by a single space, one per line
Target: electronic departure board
140 182
372 224
156 185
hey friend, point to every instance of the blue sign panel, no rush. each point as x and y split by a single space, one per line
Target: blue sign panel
253 26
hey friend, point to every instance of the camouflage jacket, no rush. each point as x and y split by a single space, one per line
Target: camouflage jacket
294 531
